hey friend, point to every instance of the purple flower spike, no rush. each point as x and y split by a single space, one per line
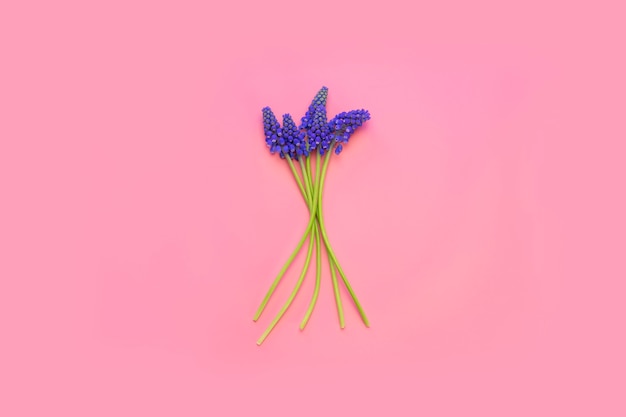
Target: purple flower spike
296 145
273 132
319 100
319 133
344 125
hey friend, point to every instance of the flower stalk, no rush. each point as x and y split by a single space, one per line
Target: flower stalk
314 138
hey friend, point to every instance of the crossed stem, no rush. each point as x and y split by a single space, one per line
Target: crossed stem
312 192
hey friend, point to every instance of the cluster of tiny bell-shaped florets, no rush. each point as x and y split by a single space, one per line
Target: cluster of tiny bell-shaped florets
319 100
315 131
319 133
295 138
344 124
273 132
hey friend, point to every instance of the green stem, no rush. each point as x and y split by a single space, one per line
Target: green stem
308 197
331 258
292 295
318 254
296 176
310 170
307 183
333 276
329 249
293 255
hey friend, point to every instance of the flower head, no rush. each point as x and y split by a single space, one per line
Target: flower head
319 100
273 132
343 125
319 133
295 144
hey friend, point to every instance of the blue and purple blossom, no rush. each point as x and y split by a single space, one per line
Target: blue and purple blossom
319 133
296 145
319 100
344 125
292 140
273 132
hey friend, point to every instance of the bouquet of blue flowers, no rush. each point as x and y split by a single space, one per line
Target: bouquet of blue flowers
311 144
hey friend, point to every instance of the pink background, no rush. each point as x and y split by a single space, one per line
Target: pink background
479 215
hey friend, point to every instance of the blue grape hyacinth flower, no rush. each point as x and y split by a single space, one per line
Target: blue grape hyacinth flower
319 133
319 100
273 132
295 145
343 125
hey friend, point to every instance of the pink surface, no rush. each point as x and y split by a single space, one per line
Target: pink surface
479 215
